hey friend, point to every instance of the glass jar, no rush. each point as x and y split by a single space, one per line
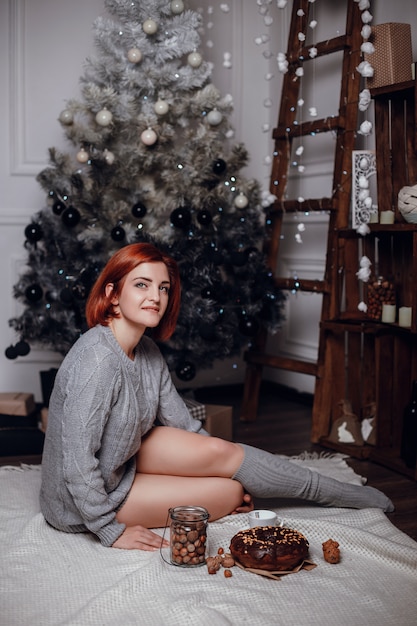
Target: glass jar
188 541
380 291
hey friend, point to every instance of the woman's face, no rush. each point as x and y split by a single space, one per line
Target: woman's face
143 299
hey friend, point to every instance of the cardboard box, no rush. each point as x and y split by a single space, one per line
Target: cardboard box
393 57
16 403
219 421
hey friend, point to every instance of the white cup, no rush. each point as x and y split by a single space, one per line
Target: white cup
262 517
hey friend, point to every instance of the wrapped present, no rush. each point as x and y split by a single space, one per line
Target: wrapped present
17 403
219 421
393 57
196 409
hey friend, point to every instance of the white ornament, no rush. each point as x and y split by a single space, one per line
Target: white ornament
363 229
362 306
366 17
363 5
241 201
177 7
365 69
312 111
134 55
300 199
299 150
363 194
194 59
301 37
301 169
268 20
312 53
108 156
365 128
366 31
104 117
281 4
299 72
66 117
227 60
300 102
300 12
301 227
214 118
297 238
161 107
364 99
148 137
82 156
313 24
149 27
368 202
367 47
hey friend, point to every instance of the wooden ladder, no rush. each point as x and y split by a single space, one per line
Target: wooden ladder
344 125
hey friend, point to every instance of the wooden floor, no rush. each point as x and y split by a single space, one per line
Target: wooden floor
283 427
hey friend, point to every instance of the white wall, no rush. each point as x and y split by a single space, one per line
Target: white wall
42 47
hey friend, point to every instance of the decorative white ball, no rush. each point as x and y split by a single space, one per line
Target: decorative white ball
104 117
177 7
108 157
82 156
149 27
241 201
161 107
214 117
66 117
148 137
195 59
134 55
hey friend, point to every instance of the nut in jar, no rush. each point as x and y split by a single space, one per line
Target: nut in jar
380 291
188 541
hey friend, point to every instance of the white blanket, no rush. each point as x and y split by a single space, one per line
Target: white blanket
50 578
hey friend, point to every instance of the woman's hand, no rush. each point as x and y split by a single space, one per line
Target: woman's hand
140 538
246 506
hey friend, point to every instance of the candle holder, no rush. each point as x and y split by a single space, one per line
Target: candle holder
381 292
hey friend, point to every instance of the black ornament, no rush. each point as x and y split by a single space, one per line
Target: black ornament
238 259
65 295
185 371
11 353
33 232
248 326
211 292
207 331
204 217
58 207
22 348
71 217
219 166
118 233
33 293
139 210
181 217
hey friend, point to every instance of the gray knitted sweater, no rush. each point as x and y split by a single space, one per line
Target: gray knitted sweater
101 406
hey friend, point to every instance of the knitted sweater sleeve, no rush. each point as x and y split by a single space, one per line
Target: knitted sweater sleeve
85 413
172 410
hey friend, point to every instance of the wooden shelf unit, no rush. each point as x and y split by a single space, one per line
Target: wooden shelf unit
364 360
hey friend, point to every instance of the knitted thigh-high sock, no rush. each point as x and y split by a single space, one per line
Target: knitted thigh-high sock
266 475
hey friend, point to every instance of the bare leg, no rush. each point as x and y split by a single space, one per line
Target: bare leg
152 495
176 452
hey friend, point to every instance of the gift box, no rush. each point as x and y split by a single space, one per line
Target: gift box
196 409
219 421
16 403
393 57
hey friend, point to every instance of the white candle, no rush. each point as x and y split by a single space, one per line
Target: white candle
404 316
386 217
373 218
388 313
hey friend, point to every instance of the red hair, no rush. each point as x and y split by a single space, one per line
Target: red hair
99 309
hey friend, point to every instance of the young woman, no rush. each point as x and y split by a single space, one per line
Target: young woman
106 467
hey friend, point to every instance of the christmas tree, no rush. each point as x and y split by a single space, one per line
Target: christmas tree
151 159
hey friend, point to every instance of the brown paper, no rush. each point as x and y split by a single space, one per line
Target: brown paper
277 575
17 403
